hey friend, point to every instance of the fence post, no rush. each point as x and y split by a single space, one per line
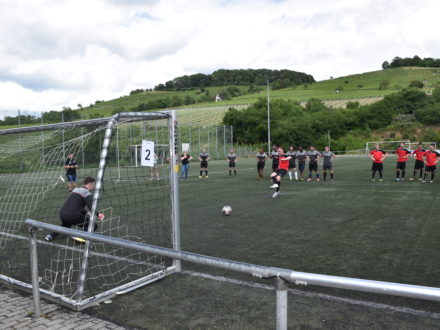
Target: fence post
281 307
34 272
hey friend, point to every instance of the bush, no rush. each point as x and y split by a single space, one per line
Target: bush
384 84
416 84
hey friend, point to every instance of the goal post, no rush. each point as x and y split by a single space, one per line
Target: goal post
32 187
388 146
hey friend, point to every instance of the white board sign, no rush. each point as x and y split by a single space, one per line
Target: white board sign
147 154
185 147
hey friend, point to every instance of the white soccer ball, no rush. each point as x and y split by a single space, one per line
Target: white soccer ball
226 210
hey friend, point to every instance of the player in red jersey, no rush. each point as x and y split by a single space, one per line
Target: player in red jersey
402 157
377 155
283 168
431 160
419 164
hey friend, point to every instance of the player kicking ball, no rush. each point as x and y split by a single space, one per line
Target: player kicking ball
283 167
73 212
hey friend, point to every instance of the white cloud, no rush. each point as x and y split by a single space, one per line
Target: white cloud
61 53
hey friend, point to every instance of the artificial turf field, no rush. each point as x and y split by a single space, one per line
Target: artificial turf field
351 227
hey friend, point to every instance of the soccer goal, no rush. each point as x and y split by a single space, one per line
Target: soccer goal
388 146
33 186
425 145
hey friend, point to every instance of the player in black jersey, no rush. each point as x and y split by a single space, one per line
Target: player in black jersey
232 158
71 165
73 212
275 158
261 161
204 159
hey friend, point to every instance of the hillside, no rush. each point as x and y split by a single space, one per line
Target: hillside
363 88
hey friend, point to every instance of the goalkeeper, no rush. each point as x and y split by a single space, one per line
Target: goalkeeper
73 212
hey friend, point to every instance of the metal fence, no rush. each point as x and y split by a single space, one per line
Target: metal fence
281 276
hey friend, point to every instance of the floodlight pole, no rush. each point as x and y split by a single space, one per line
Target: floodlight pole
268 118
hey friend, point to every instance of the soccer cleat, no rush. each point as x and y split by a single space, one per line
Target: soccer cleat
373 180
381 180
420 179
275 194
423 181
200 176
317 179
309 179
431 181
48 238
274 186
206 177
332 180
412 179
397 180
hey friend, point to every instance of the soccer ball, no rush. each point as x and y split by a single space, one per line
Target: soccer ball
226 210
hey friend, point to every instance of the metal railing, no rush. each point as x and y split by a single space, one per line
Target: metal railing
281 276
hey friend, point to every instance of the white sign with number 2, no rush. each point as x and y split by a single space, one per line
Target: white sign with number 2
147 154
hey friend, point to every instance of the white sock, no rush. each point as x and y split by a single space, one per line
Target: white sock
290 175
296 175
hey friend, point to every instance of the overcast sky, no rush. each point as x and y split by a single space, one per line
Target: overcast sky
56 53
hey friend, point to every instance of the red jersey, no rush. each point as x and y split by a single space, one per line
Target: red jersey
419 154
377 155
284 163
402 154
431 157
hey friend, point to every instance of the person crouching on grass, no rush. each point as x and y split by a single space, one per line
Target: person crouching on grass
283 168
73 212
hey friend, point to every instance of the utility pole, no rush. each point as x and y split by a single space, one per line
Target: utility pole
268 118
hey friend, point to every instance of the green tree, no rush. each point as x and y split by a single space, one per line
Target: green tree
436 94
385 65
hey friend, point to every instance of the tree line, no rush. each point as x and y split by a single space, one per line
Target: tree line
411 61
349 127
240 77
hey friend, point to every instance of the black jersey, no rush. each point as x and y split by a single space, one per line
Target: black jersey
313 156
275 157
204 156
291 154
70 162
231 156
261 157
301 156
185 159
75 204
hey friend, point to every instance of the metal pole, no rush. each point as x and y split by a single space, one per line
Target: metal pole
329 142
174 180
42 142
34 272
189 129
117 151
216 141
96 198
281 308
232 136
62 120
224 139
268 119
209 152
199 139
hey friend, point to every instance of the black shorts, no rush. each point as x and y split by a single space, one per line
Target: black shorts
281 172
275 166
260 165
401 165
203 164
419 165
377 167
313 166
301 166
231 164
432 168
292 164
327 167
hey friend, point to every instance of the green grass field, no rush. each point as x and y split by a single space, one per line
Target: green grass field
350 227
